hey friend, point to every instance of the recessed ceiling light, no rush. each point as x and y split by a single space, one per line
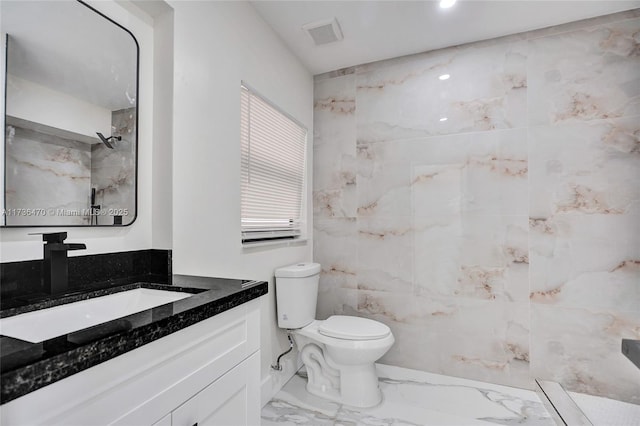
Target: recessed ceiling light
446 4
444 119
444 77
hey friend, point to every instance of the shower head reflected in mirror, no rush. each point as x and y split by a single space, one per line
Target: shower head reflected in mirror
106 142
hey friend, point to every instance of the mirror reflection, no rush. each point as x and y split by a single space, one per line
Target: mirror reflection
70 150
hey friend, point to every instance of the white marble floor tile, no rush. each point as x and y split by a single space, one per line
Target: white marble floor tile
605 411
400 414
411 397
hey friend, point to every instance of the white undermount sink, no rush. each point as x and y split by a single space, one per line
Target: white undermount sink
44 324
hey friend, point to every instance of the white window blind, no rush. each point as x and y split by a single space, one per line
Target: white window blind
273 170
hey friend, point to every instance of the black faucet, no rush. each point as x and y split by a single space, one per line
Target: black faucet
56 264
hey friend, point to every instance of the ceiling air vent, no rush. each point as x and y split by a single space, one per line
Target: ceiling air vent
325 31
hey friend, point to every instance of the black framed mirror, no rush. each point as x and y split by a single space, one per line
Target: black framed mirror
71 117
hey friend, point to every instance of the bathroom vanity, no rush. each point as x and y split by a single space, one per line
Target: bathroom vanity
191 361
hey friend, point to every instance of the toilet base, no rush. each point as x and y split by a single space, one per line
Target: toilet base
351 391
355 385
359 386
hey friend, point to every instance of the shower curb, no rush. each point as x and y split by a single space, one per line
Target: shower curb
563 410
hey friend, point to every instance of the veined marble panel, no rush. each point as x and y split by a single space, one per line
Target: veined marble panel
335 242
497 184
589 261
333 203
335 248
334 177
486 91
394 308
334 185
580 348
438 189
591 73
334 111
489 341
446 149
384 253
334 300
113 176
123 123
385 193
411 339
48 173
472 256
438 254
483 173
481 339
591 167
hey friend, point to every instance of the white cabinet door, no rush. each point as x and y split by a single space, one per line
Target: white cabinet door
232 400
165 421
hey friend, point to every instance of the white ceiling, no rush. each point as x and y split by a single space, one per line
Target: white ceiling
376 30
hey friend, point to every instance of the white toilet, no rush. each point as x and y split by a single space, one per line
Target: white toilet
339 352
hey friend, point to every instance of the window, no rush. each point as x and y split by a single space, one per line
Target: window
273 170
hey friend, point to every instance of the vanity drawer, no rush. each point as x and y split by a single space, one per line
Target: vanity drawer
227 401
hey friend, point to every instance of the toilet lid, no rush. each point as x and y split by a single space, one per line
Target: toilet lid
353 328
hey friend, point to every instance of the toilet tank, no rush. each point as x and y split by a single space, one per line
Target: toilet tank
297 294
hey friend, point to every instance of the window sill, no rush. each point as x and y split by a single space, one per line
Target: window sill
275 244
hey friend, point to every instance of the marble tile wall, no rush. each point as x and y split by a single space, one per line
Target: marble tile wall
503 242
56 174
46 172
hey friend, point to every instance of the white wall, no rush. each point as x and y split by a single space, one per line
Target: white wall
162 131
16 245
218 44
39 104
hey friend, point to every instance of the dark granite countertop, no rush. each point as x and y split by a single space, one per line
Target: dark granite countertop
25 366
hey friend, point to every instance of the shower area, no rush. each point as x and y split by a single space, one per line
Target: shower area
483 202
78 178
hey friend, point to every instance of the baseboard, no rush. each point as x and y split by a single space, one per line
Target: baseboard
275 380
265 391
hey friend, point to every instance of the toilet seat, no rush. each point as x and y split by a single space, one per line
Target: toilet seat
312 332
353 328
